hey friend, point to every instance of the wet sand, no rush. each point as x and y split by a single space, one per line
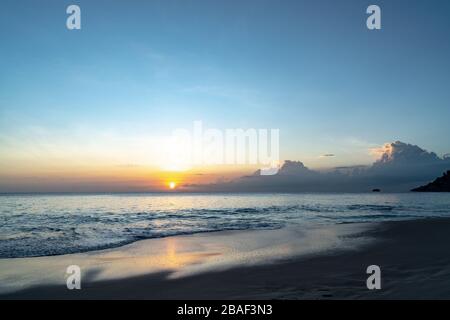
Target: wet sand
414 257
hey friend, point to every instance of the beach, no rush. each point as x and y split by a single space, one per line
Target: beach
227 150
327 262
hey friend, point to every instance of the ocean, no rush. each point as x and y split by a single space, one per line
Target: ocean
42 225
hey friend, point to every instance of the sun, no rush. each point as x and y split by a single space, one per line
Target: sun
172 185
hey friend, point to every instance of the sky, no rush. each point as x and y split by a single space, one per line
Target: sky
87 110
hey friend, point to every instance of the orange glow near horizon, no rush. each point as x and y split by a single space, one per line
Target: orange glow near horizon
92 177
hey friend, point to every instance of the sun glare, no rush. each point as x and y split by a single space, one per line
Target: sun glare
172 185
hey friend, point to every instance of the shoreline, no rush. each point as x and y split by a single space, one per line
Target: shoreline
413 255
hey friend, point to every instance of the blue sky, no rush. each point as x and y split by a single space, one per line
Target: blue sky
310 68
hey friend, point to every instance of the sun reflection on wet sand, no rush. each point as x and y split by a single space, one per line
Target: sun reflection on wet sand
179 256
168 255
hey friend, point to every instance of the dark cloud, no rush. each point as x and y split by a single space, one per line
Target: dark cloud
400 167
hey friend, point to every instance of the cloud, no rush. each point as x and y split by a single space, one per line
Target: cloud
399 153
402 166
358 166
399 168
128 165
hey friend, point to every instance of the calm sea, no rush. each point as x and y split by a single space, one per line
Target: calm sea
36 225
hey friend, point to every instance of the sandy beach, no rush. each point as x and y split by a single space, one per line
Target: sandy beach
225 150
321 263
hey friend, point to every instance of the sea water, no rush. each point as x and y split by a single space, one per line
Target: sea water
41 225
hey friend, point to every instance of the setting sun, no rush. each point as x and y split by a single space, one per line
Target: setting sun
172 185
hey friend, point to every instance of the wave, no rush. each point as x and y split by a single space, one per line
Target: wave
37 226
